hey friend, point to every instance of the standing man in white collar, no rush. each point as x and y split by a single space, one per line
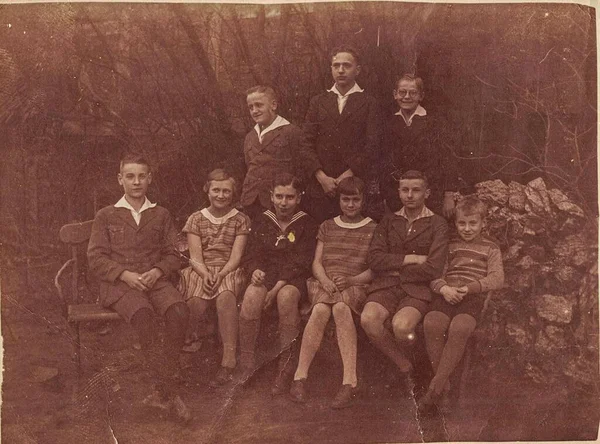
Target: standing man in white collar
272 146
342 127
413 140
132 252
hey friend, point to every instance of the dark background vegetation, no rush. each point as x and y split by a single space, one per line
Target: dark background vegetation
515 84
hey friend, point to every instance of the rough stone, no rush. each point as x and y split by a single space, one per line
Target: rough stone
526 263
554 308
516 196
537 196
582 371
575 250
493 192
550 341
513 251
538 376
518 335
565 274
536 252
562 202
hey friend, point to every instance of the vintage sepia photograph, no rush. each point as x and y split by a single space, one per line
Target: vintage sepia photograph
298 222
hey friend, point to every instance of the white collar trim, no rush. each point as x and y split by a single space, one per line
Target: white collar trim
419 111
352 226
123 203
271 215
218 220
278 122
354 89
425 212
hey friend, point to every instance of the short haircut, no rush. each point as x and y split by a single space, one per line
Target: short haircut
350 186
471 205
414 174
133 157
263 89
285 179
345 48
219 174
412 78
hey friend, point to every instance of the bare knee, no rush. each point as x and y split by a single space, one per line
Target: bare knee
287 301
341 312
404 323
252 304
321 313
462 326
372 320
226 301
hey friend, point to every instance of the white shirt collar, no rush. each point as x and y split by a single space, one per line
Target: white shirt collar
354 89
342 99
279 121
425 212
419 111
340 223
137 215
218 220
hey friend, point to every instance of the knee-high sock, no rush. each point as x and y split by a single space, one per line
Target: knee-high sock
248 332
287 339
435 326
460 330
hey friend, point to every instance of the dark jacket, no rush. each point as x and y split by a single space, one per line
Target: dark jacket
343 141
280 151
117 244
280 255
391 242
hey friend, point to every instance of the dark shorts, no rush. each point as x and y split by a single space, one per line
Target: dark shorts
472 304
394 299
159 299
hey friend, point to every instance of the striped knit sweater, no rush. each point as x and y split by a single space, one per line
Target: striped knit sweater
476 264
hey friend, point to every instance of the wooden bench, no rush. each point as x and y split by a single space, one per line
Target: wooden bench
76 310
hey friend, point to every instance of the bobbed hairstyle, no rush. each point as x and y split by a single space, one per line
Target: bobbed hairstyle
133 157
412 78
263 89
219 174
350 186
285 179
471 205
414 174
345 48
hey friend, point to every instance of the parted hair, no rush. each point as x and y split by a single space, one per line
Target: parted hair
263 89
133 157
219 174
285 179
471 205
345 48
414 174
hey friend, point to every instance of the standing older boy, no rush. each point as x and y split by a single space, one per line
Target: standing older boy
131 251
342 127
407 252
412 141
273 146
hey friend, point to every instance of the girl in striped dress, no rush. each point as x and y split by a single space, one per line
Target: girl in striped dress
217 236
338 288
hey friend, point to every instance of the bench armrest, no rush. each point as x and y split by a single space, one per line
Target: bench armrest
57 279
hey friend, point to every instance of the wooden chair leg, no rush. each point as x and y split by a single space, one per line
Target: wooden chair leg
74 330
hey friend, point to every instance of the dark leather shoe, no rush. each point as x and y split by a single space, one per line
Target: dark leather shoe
224 376
298 391
344 398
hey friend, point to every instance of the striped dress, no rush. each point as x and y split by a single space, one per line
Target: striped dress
345 248
217 235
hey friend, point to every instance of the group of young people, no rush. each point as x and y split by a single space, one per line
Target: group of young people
292 244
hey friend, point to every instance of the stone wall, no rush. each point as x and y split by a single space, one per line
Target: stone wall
544 323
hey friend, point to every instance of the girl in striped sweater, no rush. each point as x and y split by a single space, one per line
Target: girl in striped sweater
474 267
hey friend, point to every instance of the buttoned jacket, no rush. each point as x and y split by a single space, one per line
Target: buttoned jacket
349 140
117 244
281 150
392 241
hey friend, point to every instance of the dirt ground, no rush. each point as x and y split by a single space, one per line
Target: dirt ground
104 404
